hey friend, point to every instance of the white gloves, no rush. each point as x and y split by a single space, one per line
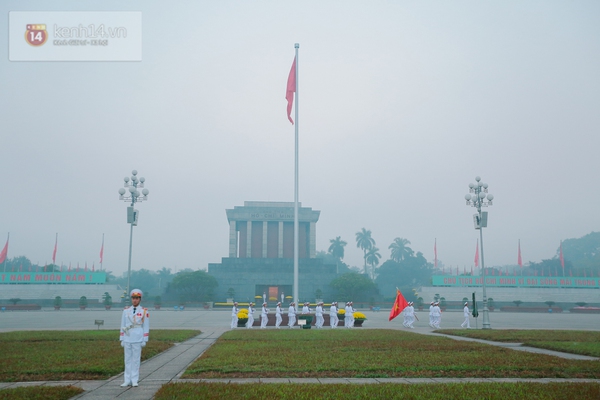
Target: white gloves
122 343
144 344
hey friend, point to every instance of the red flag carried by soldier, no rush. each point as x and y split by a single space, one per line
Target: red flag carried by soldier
399 305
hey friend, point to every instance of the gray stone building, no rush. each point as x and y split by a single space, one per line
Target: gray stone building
261 254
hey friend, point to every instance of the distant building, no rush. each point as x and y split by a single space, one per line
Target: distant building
261 254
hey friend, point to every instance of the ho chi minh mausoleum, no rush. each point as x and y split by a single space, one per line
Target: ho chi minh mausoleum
261 254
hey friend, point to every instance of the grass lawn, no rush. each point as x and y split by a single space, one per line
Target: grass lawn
372 353
577 342
40 393
453 391
73 355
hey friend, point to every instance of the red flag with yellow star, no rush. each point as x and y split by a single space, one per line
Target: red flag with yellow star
399 305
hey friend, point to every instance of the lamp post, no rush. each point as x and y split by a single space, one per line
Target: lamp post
132 184
479 199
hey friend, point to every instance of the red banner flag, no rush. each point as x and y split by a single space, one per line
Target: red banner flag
290 90
477 254
4 252
519 259
54 252
399 305
101 252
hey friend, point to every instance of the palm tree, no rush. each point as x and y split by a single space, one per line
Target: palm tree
365 242
400 249
336 248
372 259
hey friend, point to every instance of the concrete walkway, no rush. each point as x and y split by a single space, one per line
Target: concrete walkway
170 365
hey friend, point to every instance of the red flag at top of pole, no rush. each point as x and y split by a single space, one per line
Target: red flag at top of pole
519 259
399 305
54 252
562 259
101 253
477 254
290 90
4 252
435 253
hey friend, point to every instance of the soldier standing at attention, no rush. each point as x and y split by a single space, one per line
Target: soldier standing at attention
135 328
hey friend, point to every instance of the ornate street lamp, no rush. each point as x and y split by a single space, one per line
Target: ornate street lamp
479 199
132 184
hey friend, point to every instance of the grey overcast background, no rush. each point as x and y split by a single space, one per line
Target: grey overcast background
402 105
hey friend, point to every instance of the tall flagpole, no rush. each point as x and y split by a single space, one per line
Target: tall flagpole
296 299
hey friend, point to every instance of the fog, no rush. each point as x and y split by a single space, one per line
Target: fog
402 105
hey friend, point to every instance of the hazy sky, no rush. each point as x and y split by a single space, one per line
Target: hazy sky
402 104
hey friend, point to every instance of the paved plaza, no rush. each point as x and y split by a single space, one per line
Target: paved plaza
170 365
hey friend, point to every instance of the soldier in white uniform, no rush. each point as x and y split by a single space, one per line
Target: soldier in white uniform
306 308
264 316
431 314
467 322
250 316
437 315
333 318
349 317
319 315
291 314
411 315
234 315
405 313
278 315
135 328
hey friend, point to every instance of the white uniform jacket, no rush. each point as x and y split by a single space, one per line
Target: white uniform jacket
135 327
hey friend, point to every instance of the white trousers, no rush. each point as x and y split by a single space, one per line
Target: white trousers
466 323
263 321
250 321
292 320
234 321
349 321
133 354
277 320
333 320
320 321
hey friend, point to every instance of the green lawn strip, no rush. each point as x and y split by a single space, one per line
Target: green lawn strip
577 342
372 353
40 393
73 355
450 391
